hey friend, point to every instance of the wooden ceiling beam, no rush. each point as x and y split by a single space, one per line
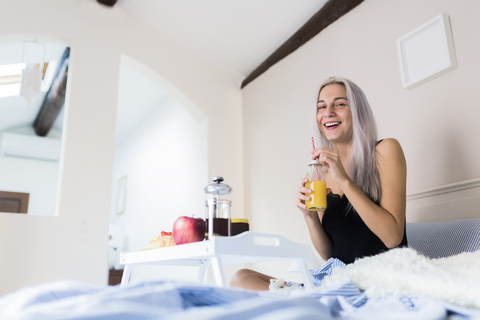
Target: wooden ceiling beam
55 98
329 13
108 3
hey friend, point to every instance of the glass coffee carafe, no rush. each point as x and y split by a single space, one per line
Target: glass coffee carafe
217 206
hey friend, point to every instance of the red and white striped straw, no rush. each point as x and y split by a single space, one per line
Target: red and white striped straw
313 148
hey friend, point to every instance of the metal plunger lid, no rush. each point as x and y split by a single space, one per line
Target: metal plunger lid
218 187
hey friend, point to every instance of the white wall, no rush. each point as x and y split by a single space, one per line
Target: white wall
165 162
74 244
436 123
37 178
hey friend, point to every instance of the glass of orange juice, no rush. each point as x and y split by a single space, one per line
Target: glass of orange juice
316 183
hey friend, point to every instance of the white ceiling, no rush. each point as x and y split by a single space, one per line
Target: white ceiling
235 35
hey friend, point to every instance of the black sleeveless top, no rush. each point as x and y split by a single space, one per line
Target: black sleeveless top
350 236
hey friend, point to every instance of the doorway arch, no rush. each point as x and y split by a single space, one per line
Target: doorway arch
160 164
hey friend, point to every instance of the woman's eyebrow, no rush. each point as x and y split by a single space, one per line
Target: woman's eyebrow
334 99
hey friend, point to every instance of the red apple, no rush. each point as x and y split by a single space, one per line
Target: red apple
188 229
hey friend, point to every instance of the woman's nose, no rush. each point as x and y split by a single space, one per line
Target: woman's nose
329 112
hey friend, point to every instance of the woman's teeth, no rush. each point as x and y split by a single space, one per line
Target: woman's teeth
332 124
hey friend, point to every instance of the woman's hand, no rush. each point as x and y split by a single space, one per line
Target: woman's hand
300 196
331 160
320 240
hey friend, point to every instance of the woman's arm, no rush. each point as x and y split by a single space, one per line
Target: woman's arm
386 221
321 242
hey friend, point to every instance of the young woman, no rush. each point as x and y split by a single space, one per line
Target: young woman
366 179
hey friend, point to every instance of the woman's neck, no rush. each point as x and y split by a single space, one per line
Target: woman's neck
343 150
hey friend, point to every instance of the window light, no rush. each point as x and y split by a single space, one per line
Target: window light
10 77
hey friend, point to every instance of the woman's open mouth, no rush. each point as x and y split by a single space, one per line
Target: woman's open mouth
331 125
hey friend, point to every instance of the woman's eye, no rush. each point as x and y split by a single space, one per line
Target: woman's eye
340 105
320 107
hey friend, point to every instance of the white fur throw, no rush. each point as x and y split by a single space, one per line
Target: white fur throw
403 271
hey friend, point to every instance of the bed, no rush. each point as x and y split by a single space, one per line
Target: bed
437 277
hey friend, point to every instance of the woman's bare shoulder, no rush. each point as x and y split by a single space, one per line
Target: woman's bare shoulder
388 144
390 150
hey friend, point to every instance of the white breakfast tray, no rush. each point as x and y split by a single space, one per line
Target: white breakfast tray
247 247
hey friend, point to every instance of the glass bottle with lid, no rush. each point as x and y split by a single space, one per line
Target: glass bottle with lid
316 183
217 206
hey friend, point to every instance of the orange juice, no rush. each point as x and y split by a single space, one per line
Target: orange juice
318 198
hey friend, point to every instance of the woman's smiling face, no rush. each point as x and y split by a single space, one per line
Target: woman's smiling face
334 116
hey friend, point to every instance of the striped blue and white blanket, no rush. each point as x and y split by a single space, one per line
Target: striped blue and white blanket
176 300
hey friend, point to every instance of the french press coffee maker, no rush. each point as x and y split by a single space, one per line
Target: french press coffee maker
217 214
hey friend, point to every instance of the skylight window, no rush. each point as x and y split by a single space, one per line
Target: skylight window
10 75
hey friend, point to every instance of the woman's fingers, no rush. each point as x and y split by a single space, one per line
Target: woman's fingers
300 196
302 190
303 196
299 203
316 153
331 162
327 157
323 155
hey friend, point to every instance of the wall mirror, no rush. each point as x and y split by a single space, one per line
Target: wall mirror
33 77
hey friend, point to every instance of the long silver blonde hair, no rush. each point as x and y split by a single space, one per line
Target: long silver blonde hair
362 165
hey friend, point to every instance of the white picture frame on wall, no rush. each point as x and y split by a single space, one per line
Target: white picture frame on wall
121 195
426 52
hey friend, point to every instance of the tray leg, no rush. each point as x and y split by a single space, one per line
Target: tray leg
218 271
126 275
201 271
306 276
